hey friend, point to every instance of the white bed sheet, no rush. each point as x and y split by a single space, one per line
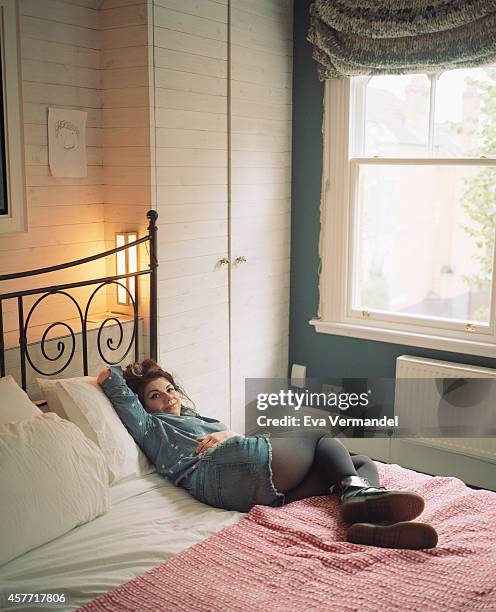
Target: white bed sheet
150 521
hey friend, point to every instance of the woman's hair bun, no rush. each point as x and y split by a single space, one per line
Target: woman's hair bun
143 368
140 373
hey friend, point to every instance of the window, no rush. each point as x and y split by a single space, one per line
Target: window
409 211
12 192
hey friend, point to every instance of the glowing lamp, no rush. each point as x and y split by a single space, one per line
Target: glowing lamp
127 263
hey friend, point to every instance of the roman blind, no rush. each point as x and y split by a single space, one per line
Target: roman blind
366 37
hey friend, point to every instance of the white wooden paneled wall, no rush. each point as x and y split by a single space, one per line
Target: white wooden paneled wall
60 67
126 130
191 117
90 55
223 142
261 118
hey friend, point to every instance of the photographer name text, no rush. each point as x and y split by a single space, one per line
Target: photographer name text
333 420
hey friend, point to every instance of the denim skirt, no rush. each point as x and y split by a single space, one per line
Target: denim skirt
236 475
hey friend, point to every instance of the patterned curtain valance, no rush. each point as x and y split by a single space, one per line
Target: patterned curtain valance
365 37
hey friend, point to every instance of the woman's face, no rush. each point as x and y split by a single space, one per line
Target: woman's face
160 396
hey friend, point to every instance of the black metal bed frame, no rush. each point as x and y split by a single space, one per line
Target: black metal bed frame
45 292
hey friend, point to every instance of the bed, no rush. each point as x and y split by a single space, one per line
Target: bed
150 520
126 539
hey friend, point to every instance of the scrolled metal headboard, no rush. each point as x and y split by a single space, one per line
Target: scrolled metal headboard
83 313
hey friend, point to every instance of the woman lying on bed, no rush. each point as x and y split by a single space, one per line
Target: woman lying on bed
232 471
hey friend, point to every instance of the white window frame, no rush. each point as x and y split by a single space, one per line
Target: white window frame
16 219
335 315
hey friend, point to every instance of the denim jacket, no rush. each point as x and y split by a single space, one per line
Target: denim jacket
169 441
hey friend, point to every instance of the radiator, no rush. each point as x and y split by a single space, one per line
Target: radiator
423 398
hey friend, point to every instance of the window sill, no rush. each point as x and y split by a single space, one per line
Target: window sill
469 347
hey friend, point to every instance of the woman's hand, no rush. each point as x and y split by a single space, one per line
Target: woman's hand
104 374
214 439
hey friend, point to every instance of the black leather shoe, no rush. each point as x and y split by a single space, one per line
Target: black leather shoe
414 536
365 504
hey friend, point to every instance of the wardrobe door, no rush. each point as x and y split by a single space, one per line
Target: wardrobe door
260 189
190 58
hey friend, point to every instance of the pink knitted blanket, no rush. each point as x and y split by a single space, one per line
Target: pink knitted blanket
296 558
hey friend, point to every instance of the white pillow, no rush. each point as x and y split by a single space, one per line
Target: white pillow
86 405
48 388
52 479
15 405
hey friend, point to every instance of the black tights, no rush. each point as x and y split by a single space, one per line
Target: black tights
308 463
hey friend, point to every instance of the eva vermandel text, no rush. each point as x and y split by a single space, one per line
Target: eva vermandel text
334 420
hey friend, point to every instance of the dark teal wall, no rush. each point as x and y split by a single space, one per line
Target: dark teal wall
324 354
